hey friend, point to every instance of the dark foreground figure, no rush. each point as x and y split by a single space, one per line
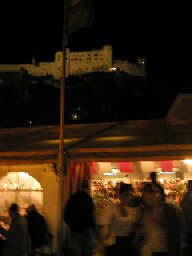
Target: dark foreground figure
79 214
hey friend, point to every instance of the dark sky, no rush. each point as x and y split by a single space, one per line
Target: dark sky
159 31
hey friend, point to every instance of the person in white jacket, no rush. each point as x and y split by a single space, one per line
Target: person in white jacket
105 225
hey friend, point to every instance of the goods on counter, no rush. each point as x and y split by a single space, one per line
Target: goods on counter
108 188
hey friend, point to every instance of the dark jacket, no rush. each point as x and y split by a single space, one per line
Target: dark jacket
175 223
79 213
186 205
38 229
18 239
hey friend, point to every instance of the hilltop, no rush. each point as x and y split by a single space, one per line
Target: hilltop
94 97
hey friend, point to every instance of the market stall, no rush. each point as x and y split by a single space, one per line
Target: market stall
141 143
107 177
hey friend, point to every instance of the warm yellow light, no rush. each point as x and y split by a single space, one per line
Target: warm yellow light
73 140
24 175
188 161
161 180
114 138
113 69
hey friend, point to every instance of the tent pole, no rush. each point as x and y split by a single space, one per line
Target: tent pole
61 147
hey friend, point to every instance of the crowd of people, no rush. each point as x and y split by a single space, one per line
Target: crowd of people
144 226
148 225
174 189
24 234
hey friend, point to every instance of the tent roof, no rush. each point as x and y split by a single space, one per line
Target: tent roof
181 107
117 141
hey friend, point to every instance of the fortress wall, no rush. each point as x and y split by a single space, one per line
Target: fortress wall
90 61
78 63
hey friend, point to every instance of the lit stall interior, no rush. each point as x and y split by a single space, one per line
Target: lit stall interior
173 175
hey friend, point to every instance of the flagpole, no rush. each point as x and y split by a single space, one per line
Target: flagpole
61 145
81 15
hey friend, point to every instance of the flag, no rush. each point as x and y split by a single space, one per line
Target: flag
126 167
79 14
166 166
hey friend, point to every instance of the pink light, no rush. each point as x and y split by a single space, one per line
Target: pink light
167 166
126 167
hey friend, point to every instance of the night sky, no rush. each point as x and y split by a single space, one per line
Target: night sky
158 31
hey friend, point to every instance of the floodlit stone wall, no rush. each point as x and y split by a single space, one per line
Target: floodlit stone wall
78 63
90 61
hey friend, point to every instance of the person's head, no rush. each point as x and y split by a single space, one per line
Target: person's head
153 176
14 210
125 193
31 208
85 185
153 194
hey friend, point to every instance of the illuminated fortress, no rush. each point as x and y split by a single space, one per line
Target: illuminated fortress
78 63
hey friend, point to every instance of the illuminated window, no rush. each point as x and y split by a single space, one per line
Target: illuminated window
20 188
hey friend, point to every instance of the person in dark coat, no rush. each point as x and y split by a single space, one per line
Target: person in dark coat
186 206
79 214
17 241
38 227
